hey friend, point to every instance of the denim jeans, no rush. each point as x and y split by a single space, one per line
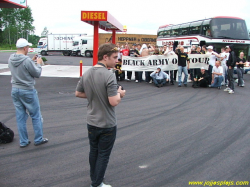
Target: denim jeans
129 74
147 76
225 74
27 101
230 73
240 72
217 82
138 75
159 81
101 141
210 69
180 70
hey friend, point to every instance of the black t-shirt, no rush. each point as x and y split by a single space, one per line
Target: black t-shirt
241 65
205 76
133 52
182 58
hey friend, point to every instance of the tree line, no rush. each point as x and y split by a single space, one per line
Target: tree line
16 23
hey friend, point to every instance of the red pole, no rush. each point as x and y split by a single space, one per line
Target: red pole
80 68
96 42
113 36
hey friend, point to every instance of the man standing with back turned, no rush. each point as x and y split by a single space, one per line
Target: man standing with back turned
24 95
100 88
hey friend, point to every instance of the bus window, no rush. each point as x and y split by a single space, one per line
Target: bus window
160 33
195 27
175 30
184 29
40 43
206 28
229 28
167 32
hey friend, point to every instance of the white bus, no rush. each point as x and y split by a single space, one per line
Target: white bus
218 31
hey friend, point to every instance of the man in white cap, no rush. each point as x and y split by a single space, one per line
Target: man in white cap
24 70
212 61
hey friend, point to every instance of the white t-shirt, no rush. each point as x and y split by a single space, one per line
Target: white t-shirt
224 61
212 59
119 54
217 70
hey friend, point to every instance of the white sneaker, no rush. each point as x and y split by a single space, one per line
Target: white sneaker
150 81
227 89
231 92
136 81
102 185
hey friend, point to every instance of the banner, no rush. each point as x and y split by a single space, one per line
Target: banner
167 62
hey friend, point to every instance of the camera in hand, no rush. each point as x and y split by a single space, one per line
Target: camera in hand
118 86
39 56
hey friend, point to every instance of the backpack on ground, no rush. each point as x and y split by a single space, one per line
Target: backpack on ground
6 134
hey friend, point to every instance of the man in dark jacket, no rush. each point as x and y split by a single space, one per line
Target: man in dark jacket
201 79
230 64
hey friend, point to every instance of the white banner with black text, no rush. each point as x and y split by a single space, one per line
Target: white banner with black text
167 62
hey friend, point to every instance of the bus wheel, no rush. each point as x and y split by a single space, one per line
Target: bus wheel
88 54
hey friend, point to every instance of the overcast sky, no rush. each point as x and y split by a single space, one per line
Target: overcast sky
140 16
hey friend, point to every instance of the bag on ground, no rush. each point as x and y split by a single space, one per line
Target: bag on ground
6 134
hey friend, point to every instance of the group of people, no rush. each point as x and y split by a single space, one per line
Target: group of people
219 73
99 86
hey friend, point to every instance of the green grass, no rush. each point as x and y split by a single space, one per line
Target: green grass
10 47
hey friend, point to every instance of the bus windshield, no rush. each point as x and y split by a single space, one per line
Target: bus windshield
229 28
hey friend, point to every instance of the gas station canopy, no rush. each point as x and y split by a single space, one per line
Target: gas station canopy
106 21
13 3
101 20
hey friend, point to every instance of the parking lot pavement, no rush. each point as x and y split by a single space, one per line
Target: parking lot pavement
166 137
52 70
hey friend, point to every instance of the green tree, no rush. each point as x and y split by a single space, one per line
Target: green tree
15 23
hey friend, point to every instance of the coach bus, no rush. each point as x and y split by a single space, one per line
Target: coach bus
218 31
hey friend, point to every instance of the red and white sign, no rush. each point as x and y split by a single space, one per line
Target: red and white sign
31 50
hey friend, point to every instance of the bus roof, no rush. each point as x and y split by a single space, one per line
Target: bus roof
163 26
228 17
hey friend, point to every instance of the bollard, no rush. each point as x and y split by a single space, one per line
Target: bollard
80 68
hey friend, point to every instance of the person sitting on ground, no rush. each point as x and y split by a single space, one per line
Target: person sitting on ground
201 79
120 75
217 75
159 77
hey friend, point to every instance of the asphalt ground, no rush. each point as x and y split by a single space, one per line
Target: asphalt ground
166 137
